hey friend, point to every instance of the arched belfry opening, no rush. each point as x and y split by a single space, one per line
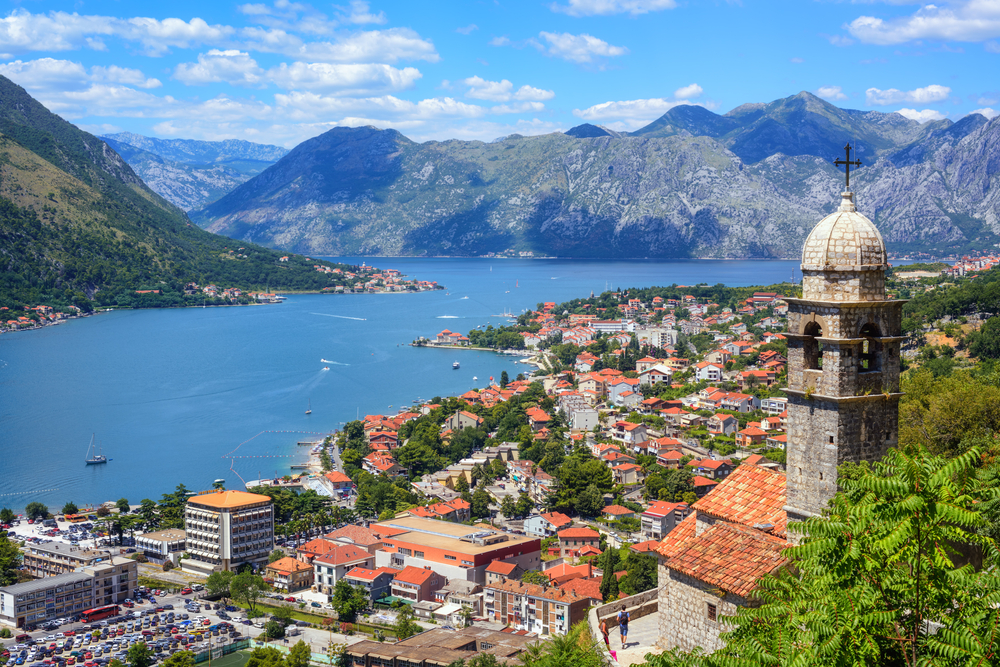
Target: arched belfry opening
871 349
812 349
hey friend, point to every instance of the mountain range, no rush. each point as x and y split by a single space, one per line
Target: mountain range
693 183
77 225
191 174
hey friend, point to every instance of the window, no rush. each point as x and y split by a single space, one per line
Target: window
871 348
712 612
418 554
812 350
447 557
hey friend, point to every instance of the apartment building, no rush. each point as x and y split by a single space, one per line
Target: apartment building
334 565
34 602
114 579
46 560
453 550
227 529
162 545
661 517
545 610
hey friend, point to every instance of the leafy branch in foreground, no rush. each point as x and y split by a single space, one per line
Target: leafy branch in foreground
902 571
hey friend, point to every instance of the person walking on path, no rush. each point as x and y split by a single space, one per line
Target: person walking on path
604 633
623 618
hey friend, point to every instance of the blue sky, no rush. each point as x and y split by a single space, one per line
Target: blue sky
280 72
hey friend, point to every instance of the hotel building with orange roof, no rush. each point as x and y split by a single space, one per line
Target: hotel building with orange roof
226 529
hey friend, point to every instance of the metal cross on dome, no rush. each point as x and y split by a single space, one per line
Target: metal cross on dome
847 163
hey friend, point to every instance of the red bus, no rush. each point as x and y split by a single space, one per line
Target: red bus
98 613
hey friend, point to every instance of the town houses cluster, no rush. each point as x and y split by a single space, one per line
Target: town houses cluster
33 317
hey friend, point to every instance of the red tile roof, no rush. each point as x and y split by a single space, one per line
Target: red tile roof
587 588
749 496
414 575
337 476
344 553
698 480
616 509
501 567
557 519
579 533
649 546
357 534
288 565
732 558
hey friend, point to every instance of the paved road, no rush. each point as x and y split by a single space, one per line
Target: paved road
642 634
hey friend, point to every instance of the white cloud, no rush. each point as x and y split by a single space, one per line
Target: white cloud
926 95
988 112
310 106
503 91
49 75
285 16
231 66
831 93
22 31
839 40
346 78
581 48
533 94
797 61
500 41
126 75
605 7
522 107
358 13
494 91
969 21
628 114
992 46
465 30
922 116
384 46
688 92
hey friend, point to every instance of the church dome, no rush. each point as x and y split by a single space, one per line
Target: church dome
845 240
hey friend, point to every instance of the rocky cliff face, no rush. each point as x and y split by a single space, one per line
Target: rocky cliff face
192 174
748 184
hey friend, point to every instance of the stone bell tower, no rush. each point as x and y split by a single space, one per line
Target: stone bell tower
843 358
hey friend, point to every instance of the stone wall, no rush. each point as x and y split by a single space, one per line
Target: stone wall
642 604
683 608
843 285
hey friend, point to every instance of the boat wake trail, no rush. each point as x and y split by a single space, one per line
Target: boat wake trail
341 317
335 363
463 298
448 317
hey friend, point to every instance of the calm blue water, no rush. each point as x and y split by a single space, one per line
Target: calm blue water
170 392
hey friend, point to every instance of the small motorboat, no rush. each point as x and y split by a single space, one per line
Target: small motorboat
474 378
326 368
455 365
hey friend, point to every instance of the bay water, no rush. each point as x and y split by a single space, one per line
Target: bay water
170 393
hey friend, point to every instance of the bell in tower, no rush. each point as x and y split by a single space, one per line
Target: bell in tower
843 358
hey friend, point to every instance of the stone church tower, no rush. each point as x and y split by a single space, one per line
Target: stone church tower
843 359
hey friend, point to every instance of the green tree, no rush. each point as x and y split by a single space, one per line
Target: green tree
508 507
218 583
248 588
6 515
180 659
535 577
266 656
275 555
480 504
590 501
609 582
405 626
70 508
504 379
274 629
123 505
524 505
299 655
139 655
10 561
577 648
884 579
147 509
641 574
349 601
36 510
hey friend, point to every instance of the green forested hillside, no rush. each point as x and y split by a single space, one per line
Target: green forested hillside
78 227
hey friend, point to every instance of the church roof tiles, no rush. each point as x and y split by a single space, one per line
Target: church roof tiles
729 557
749 496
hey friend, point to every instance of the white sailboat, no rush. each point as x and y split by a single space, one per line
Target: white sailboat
309 409
95 457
